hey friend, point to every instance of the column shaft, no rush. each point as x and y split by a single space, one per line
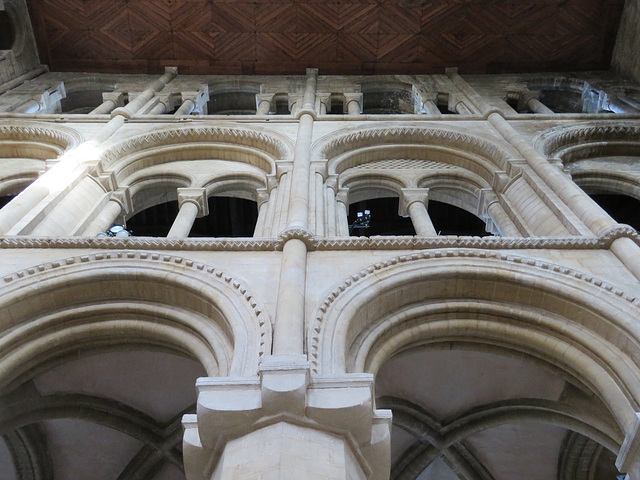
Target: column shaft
502 221
537 106
431 107
421 220
136 104
332 217
288 336
264 107
342 212
184 221
353 108
186 108
320 203
105 107
105 219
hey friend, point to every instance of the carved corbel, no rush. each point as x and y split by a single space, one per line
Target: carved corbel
230 408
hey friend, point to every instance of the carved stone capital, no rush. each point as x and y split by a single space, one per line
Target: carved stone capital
116 97
284 391
123 197
411 195
263 196
197 196
332 182
342 196
352 97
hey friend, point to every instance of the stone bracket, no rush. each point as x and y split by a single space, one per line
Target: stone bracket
284 390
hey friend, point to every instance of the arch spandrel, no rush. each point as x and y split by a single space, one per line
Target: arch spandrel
131 297
564 317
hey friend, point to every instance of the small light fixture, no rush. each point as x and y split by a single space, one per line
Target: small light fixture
116 231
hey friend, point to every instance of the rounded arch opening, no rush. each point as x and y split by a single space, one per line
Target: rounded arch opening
388 98
7 31
494 317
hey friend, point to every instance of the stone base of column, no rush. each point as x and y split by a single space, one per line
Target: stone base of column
286 451
286 424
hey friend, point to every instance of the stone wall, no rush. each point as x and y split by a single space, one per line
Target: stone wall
626 54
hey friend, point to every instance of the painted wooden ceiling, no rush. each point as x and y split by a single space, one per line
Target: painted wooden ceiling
339 37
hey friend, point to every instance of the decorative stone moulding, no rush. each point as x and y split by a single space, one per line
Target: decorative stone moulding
102 260
325 243
285 393
58 136
270 142
316 329
332 146
556 139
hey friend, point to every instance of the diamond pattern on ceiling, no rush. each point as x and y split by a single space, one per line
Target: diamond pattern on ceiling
345 37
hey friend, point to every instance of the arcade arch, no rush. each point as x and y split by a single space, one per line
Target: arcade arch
68 386
490 344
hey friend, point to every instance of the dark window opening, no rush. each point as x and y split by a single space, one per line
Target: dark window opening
281 106
81 102
336 106
154 221
622 208
7 35
232 103
6 199
562 100
388 102
451 220
228 217
384 218
442 102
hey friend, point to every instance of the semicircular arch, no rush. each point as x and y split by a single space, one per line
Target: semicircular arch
483 297
131 297
442 142
258 147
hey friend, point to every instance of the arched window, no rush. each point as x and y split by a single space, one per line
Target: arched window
7 33
562 95
378 216
622 208
448 219
83 96
392 98
238 98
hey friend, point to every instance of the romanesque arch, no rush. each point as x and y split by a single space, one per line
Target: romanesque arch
422 311
24 149
103 350
454 167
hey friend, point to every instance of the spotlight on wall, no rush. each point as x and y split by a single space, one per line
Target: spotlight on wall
116 231
363 220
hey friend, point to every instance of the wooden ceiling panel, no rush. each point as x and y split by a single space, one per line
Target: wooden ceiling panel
346 37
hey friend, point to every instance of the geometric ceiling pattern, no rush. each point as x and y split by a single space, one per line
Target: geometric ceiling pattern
341 37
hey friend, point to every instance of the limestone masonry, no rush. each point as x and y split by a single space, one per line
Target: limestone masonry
428 277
